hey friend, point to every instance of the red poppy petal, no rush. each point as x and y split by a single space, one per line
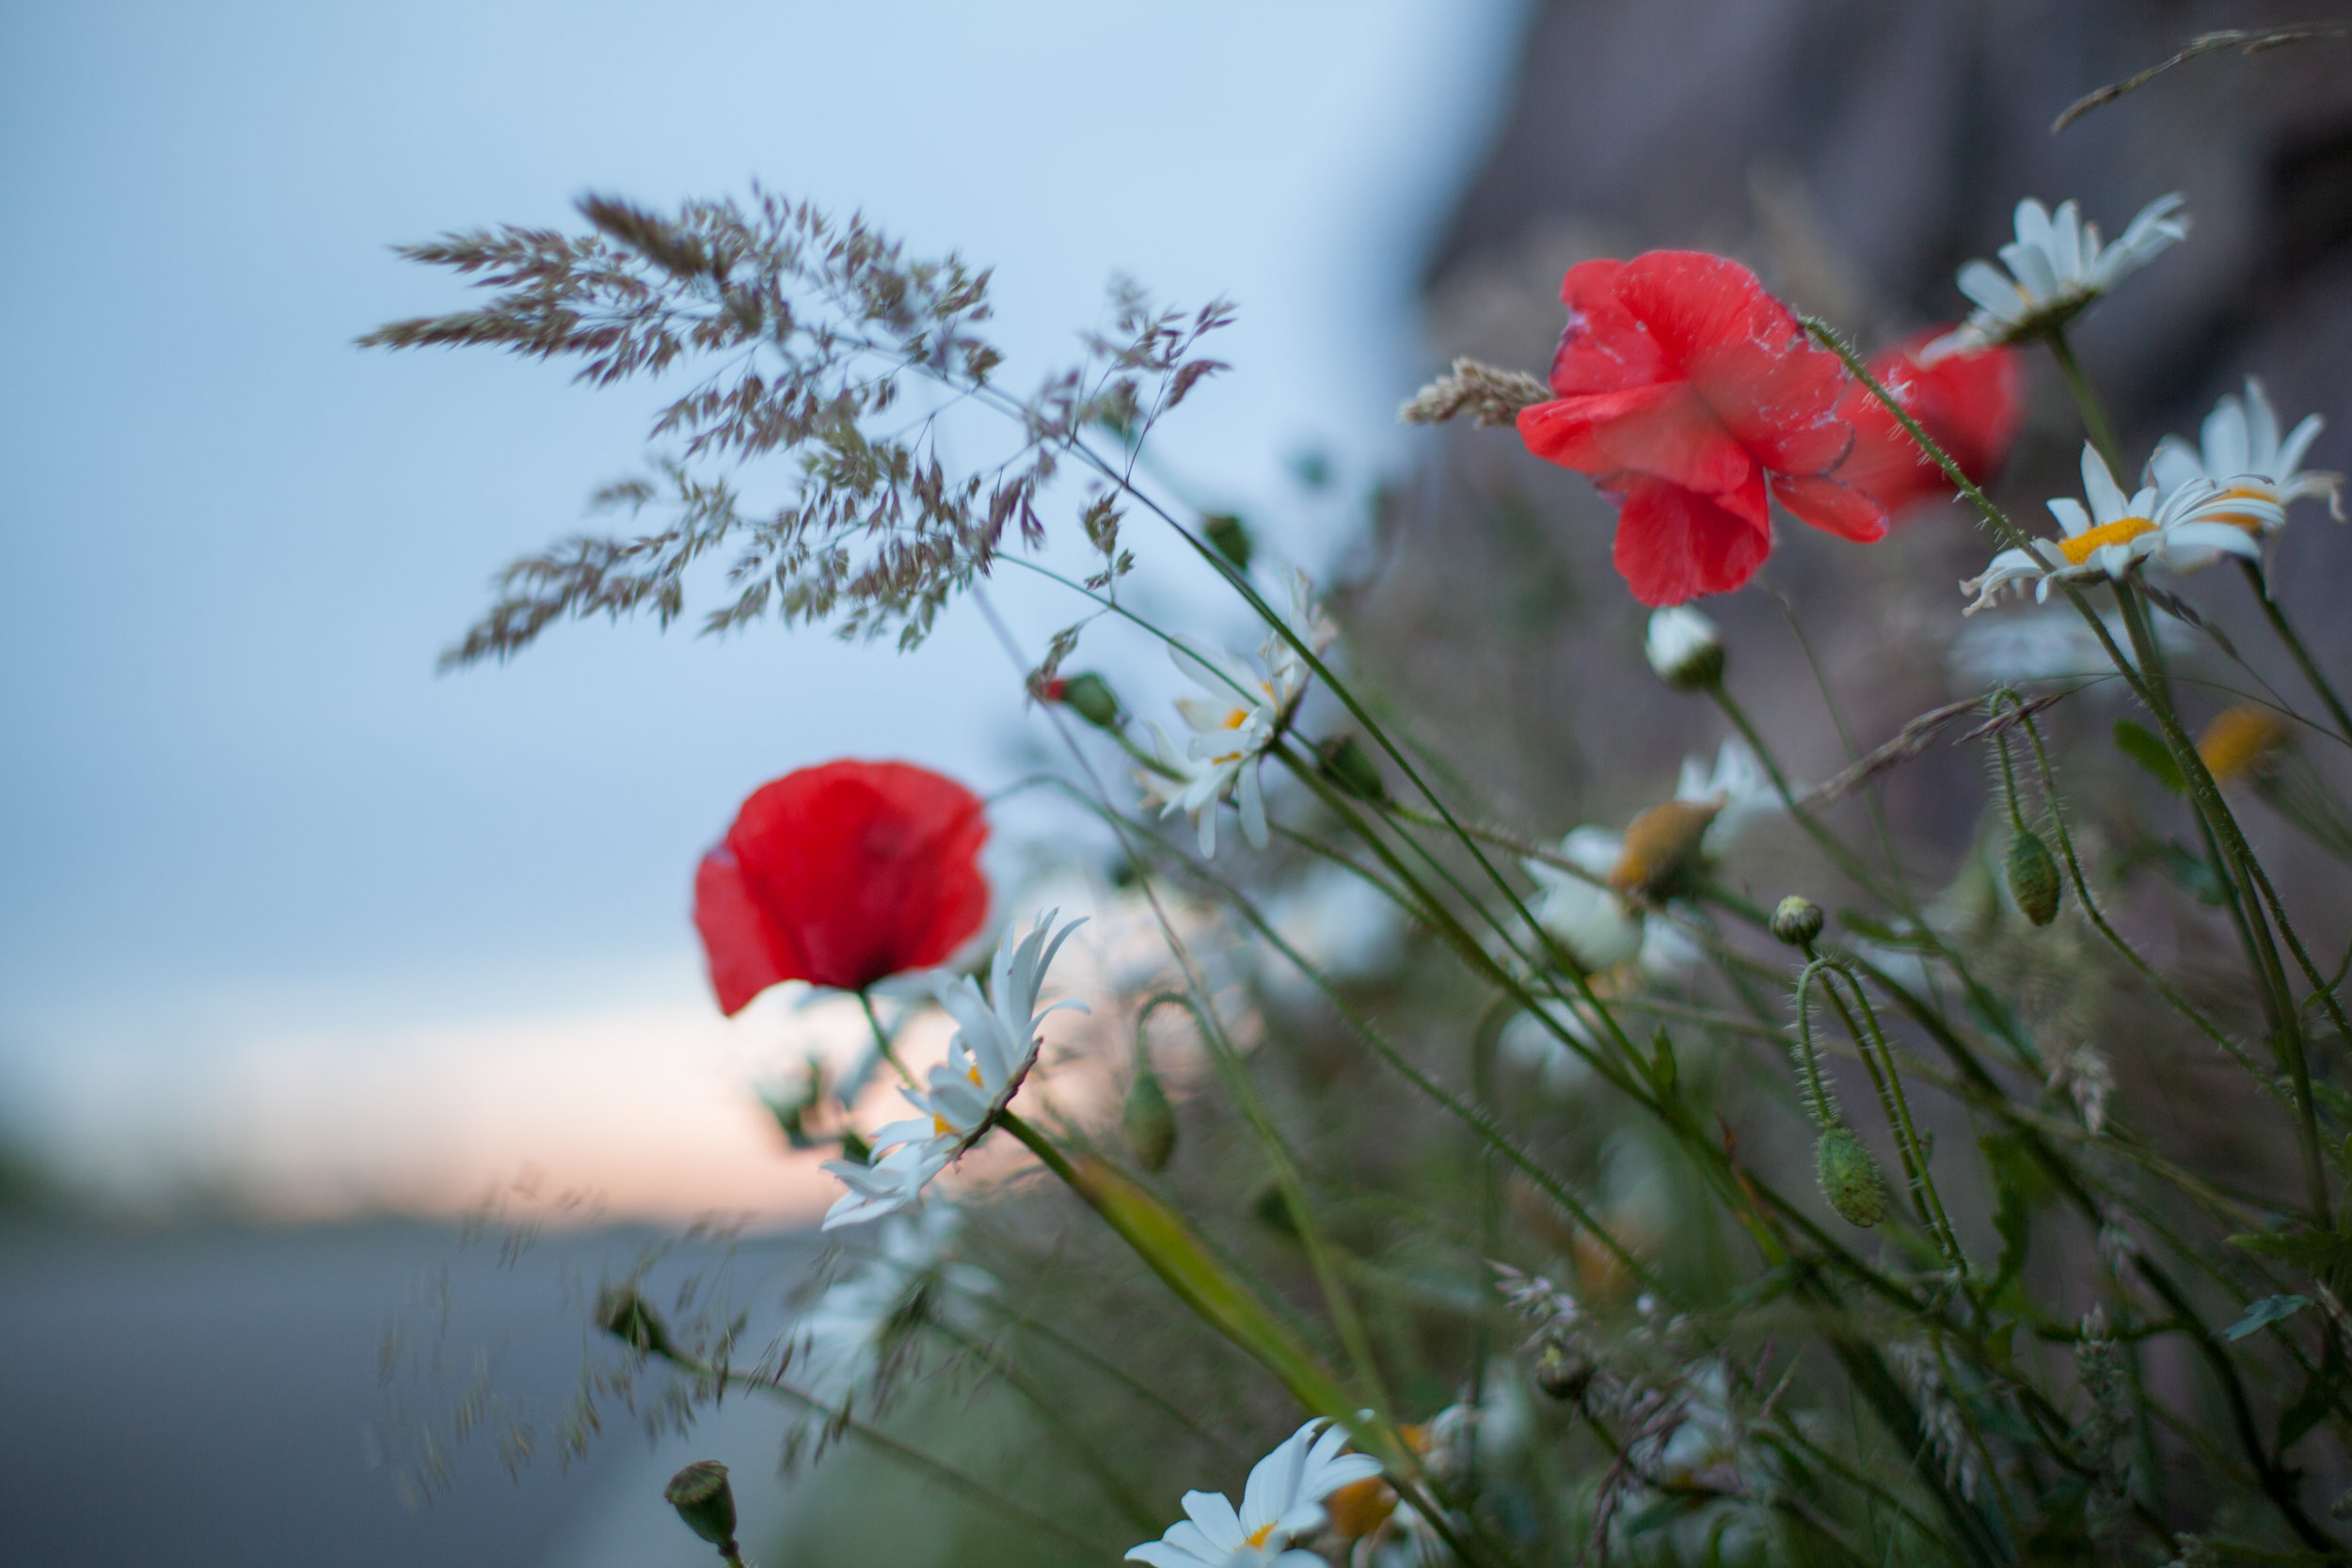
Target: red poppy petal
736 940
1604 348
1746 355
1662 430
1970 403
1675 544
1832 507
853 872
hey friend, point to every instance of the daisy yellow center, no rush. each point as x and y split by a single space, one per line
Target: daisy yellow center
1235 718
1257 1537
2246 520
941 1127
2077 547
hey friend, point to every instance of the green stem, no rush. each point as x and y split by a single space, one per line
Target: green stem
2303 660
2087 400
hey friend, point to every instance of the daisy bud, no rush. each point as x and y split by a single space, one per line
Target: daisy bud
1797 921
1147 1122
1684 649
704 1499
1563 1372
625 1315
1849 1179
2033 877
1660 845
1229 536
1087 695
1348 768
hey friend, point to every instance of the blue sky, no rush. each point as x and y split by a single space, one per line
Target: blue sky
239 804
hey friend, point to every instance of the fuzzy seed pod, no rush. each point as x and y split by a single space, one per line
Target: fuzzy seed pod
1796 920
704 1499
1563 1372
2033 877
1849 1179
1147 1122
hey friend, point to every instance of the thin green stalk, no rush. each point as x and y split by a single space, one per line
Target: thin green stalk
2087 400
2277 616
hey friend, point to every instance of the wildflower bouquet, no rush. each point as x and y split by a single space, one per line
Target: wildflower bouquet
1737 1182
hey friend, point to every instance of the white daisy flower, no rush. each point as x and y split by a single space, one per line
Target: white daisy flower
1737 787
994 1044
2240 450
838 1341
1243 713
1588 916
2046 644
1599 929
2189 529
1684 647
1282 1501
2056 267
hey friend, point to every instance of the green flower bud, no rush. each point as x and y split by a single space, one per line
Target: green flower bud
1849 1179
1147 1122
1087 695
703 1498
1797 921
1348 768
623 1314
1685 649
1230 537
1563 1372
2033 877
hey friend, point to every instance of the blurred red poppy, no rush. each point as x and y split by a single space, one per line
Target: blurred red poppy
1970 405
841 875
1687 393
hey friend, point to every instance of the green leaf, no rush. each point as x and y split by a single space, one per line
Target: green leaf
2014 1179
2268 1310
2137 743
2317 1253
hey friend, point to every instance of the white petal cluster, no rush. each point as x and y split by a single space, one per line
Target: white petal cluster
994 1044
1282 1501
2241 451
1242 712
838 1341
1602 929
2191 528
2056 266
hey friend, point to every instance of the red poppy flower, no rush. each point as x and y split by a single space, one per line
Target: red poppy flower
1971 404
841 876
1688 393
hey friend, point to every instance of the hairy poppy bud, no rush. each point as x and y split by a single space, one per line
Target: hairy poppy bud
1147 1122
1350 769
1684 649
1796 920
704 1499
625 1315
1563 1372
2033 877
1849 1179
1087 695
1229 536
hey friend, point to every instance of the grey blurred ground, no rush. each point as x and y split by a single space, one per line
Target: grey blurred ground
210 1396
